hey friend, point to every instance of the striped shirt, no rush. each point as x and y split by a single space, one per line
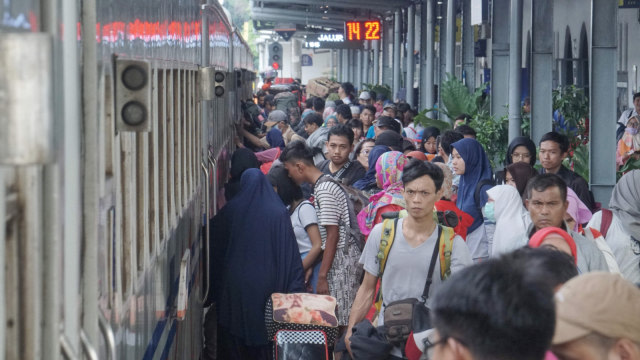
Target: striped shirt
331 206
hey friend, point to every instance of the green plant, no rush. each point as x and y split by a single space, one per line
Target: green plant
457 100
570 117
492 134
632 163
379 89
426 121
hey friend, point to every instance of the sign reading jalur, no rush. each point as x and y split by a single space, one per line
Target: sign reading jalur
330 41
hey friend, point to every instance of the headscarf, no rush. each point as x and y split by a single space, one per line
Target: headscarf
389 168
267 255
417 155
447 183
429 132
327 111
577 209
369 178
521 173
241 160
274 138
625 202
391 139
512 219
521 141
537 239
477 168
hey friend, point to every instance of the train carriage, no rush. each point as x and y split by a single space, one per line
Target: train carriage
116 124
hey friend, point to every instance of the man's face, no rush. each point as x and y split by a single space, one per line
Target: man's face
636 104
296 171
367 117
339 149
310 128
420 196
261 101
355 116
547 208
268 106
550 155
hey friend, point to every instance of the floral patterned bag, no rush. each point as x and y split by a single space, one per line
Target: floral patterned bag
301 311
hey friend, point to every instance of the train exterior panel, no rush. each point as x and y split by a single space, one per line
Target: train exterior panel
104 217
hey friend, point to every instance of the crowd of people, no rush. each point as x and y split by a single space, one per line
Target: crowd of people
519 262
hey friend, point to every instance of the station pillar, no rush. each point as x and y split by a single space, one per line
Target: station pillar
499 58
410 59
426 54
397 47
515 69
602 93
541 68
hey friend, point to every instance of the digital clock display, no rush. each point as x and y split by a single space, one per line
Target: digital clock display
362 30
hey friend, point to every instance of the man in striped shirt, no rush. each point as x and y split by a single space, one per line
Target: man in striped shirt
340 271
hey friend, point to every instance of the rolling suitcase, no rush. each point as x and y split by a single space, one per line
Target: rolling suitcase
300 345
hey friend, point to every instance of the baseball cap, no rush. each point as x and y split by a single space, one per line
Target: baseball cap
390 123
355 109
597 302
390 106
365 95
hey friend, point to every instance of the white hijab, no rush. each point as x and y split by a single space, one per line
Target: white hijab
512 219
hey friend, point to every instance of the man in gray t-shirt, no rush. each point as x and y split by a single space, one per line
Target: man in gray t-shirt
408 261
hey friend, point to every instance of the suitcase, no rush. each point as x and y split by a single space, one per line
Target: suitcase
300 345
321 87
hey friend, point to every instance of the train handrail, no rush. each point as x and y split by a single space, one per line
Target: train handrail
107 332
213 164
67 349
87 348
205 169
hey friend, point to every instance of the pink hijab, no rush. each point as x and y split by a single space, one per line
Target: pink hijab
389 168
577 209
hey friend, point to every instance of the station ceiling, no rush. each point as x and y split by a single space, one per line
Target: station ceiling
318 14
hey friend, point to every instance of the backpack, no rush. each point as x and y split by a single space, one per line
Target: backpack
285 101
477 195
356 201
607 218
445 244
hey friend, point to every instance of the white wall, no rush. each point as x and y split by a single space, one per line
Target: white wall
321 63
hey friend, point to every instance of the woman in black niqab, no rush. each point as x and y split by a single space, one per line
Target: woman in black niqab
254 253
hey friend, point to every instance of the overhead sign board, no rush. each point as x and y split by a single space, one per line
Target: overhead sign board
629 4
332 40
362 30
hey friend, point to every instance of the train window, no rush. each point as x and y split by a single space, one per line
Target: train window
127 194
141 197
171 75
162 155
153 166
109 128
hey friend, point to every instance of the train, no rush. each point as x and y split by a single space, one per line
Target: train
117 121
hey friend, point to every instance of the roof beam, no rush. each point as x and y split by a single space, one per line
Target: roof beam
382 5
298 20
332 16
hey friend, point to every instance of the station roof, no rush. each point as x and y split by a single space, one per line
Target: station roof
320 14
